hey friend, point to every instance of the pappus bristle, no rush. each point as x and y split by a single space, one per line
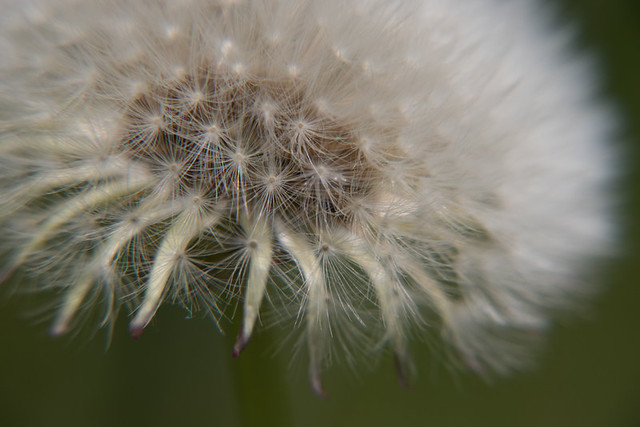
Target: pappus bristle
387 168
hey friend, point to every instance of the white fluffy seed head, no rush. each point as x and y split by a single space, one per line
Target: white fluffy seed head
372 167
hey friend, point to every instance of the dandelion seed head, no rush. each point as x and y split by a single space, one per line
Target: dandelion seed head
375 164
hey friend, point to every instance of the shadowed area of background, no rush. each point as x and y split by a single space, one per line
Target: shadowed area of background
182 373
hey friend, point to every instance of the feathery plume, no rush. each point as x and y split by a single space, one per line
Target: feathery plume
364 168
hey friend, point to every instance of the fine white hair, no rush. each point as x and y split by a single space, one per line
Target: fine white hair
368 168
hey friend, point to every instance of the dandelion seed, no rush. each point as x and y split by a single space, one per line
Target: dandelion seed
388 168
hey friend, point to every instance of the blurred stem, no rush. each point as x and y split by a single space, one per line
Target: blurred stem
260 384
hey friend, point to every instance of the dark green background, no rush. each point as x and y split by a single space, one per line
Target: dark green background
181 372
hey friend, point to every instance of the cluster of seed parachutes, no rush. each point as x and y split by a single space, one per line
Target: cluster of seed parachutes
218 183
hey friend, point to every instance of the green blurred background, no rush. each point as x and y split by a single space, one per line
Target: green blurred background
180 373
